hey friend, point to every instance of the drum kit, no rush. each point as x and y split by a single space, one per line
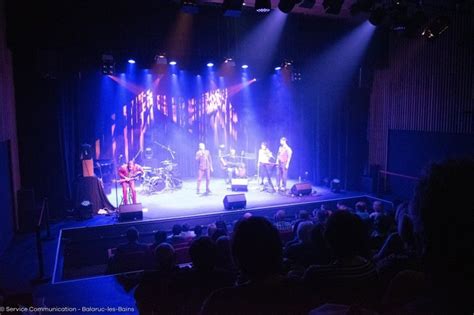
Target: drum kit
161 179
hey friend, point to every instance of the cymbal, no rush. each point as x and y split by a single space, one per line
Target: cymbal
166 162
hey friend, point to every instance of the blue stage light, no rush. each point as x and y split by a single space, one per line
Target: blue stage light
173 63
131 61
277 68
245 66
210 64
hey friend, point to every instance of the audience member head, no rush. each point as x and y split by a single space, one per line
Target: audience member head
247 215
304 231
257 248
132 234
185 227
203 252
176 229
377 206
165 257
280 215
160 237
345 234
444 225
382 224
211 229
322 216
221 225
218 233
198 230
361 206
303 215
341 206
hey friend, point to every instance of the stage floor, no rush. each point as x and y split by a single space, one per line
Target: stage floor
185 202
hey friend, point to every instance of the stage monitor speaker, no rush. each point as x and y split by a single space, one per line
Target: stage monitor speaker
302 189
132 212
239 184
237 201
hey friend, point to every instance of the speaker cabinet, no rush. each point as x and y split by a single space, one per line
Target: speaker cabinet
237 201
302 189
132 212
240 184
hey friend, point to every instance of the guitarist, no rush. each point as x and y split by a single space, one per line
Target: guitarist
128 173
233 165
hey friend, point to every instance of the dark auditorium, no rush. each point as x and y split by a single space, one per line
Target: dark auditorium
207 157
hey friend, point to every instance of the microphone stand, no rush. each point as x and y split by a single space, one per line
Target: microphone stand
167 148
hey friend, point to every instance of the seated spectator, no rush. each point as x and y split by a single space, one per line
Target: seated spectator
160 237
186 232
281 225
322 255
224 254
132 246
301 253
176 236
256 248
377 209
222 225
380 232
218 233
157 291
350 278
198 231
320 216
303 215
211 228
361 210
130 256
443 224
204 276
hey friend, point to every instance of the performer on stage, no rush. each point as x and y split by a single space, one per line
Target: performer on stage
283 163
128 173
204 167
233 165
264 164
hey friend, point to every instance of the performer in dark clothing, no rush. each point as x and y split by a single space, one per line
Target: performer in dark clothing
204 167
283 163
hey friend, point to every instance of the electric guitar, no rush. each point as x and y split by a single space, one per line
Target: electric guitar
129 179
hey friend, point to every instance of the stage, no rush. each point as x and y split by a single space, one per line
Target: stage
185 202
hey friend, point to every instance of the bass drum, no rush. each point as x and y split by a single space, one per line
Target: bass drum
157 184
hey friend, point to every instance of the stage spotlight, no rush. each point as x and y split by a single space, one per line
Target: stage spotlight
210 65
230 62
131 61
333 6
108 65
161 59
232 7
277 68
377 16
263 6
436 27
245 66
173 63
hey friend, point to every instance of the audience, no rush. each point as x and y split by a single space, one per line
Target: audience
350 278
257 250
281 225
160 237
204 276
320 216
224 254
444 230
301 254
176 236
157 291
198 231
303 215
132 255
186 232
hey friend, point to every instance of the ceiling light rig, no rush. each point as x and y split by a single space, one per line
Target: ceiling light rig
263 6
